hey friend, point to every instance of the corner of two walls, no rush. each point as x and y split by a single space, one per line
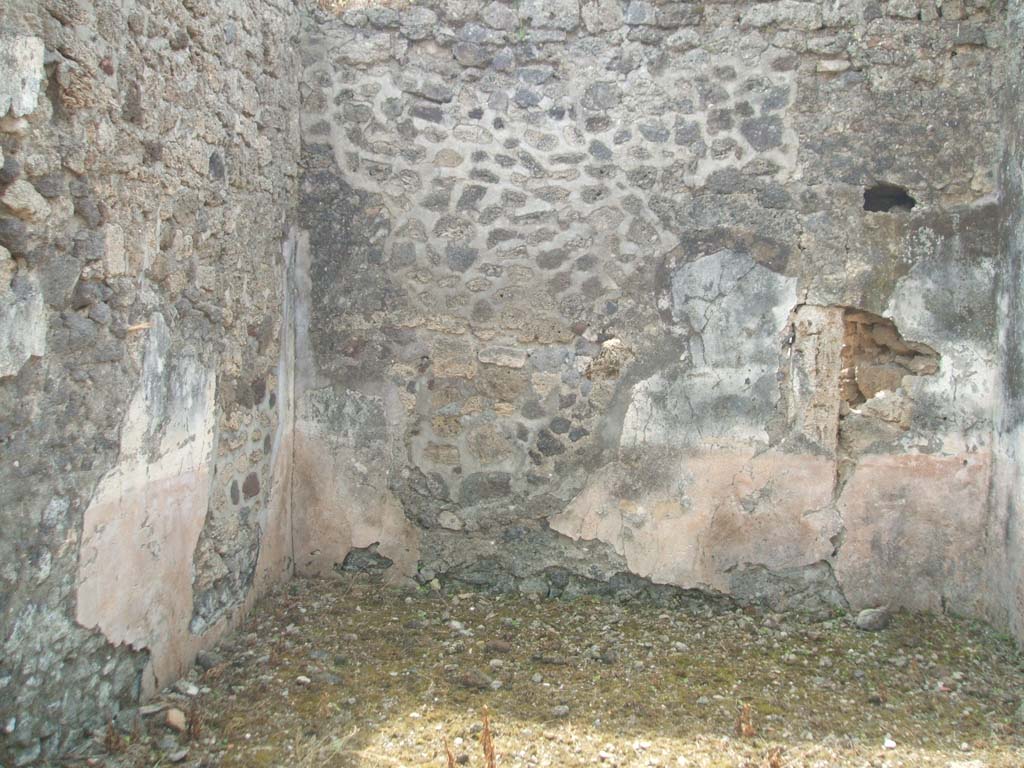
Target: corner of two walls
193 523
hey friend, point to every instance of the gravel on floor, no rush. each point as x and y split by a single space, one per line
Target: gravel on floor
349 673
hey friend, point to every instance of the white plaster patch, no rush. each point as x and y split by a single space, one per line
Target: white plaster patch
733 311
734 306
21 74
967 379
22 324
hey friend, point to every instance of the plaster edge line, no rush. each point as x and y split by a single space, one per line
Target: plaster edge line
290 362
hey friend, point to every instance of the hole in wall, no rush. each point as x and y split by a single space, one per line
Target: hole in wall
875 361
885 197
875 357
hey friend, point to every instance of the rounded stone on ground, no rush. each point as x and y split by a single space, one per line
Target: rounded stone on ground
186 688
873 619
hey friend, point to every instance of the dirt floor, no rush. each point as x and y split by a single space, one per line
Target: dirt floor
346 673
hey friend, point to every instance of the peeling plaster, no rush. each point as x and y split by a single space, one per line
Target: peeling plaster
143 522
720 510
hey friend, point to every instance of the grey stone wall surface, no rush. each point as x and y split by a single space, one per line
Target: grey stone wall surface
556 296
149 167
699 292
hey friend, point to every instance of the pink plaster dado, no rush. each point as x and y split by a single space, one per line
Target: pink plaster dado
725 508
913 528
275 559
345 504
135 575
144 520
908 526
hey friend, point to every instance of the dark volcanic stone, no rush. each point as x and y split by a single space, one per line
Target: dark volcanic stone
251 486
460 257
763 133
482 486
548 444
602 95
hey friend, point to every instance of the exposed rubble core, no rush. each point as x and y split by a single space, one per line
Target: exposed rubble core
875 358
554 297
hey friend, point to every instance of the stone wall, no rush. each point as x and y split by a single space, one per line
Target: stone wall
149 169
550 296
700 293
1006 534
